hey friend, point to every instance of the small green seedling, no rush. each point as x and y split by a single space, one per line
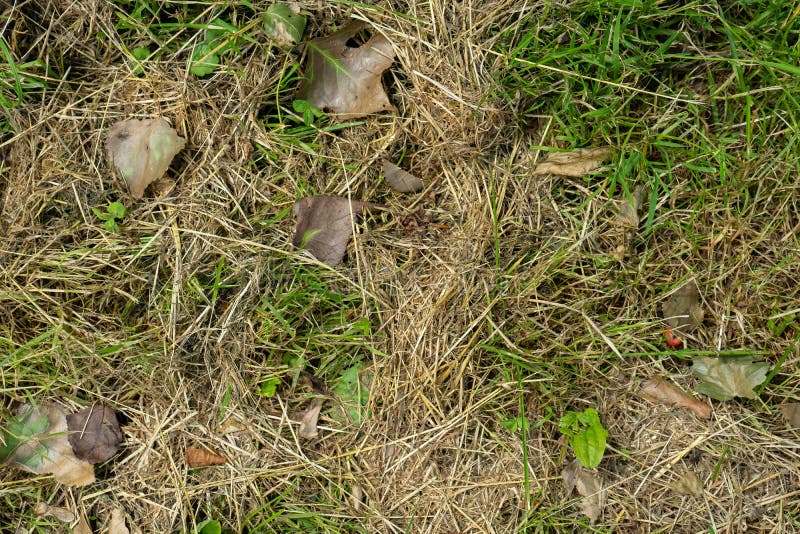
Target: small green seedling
114 212
586 434
269 387
516 424
221 37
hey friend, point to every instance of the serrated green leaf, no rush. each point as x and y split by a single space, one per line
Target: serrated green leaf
727 377
283 25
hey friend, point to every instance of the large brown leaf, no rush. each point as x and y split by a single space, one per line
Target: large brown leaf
324 226
94 433
345 79
142 150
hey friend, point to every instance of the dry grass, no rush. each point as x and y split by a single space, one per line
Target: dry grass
492 294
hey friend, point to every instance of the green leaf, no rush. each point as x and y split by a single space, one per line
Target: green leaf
209 526
590 445
586 434
352 390
141 52
116 209
269 387
111 226
516 424
204 62
724 378
103 216
283 25
21 429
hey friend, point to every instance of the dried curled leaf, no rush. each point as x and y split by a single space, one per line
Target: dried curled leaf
346 79
308 425
657 389
36 441
682 311
94 433
142 150
42 509
724 378
202 458
576 163
589 487
400 180
324 226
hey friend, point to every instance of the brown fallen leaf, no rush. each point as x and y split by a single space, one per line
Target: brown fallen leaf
345 79
689 484
82 527
202 458
142 150
628 208
94 433
682 311
308 425
657 389
42 447
116 522
589 487
576 163
324 226
400 180
791 412
42 509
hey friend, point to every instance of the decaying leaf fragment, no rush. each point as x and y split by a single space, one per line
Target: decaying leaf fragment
308 425
724 378
202 458
36 441
116 522
576 163
345 79
682 311
94 433
657 389
142 150
791 412
400 180
689 484
324 226
589 487
284 24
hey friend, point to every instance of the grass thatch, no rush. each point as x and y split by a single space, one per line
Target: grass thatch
493 294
